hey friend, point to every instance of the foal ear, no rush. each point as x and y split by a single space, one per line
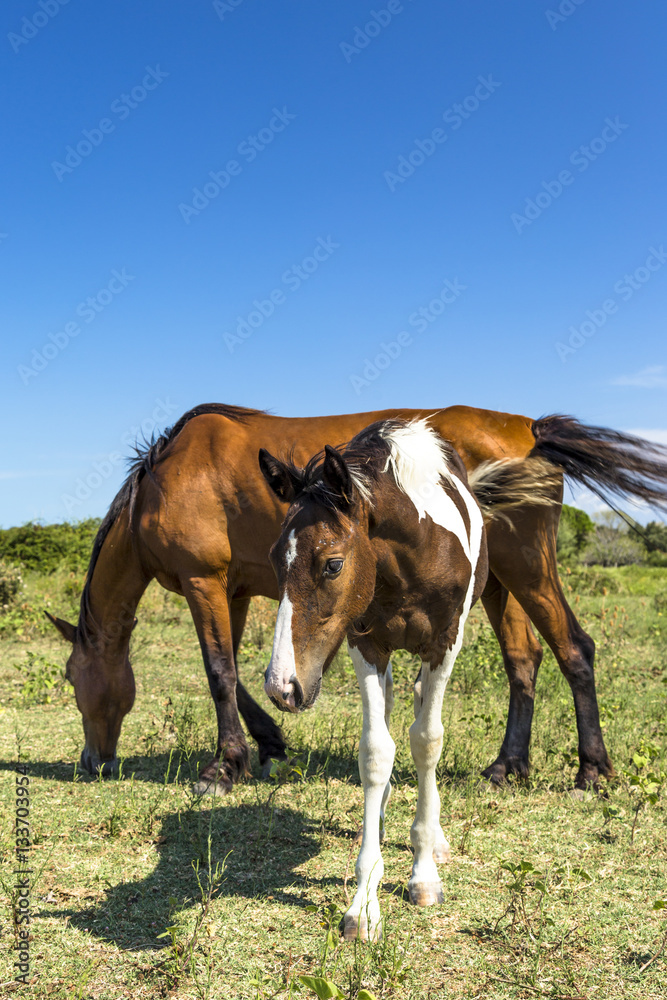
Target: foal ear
336 475
279 476
66 629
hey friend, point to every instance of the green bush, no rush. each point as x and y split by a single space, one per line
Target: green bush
574 531
45 547
11 583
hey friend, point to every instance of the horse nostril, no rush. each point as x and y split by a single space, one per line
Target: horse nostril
298 692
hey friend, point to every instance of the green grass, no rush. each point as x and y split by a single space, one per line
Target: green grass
252 886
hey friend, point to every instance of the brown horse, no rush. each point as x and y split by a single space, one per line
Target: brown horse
384 544
196 514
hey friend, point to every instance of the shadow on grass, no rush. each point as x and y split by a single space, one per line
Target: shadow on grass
262 852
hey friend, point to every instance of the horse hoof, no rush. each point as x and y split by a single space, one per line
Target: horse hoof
354 930
426 893
266 769
442 854
203 787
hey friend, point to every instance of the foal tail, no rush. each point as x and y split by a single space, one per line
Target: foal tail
612 465
607 462
509 484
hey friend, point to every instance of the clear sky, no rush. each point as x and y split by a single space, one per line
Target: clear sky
254 202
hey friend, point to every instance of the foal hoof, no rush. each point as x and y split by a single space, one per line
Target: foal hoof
426 894
442 854
353 929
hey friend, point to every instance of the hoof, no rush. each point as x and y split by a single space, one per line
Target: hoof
352 929
266 769
96 766
203 787
426 894
442 854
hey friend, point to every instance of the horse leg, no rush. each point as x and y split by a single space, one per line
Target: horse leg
376 759
388 706
209 606
529 570
522 655
441 849
426 732
261 726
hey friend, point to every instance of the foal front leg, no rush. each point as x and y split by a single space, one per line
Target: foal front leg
441 850
426 732
376 759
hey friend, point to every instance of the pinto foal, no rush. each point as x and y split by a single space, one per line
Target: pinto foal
384 543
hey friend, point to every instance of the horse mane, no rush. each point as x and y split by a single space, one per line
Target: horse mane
368 455
146 456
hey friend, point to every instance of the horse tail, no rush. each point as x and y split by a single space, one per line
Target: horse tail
509 484
612 465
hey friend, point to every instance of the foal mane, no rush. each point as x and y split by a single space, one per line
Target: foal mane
367 456
146 455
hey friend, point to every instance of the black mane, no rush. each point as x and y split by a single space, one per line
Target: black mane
146 457
365 456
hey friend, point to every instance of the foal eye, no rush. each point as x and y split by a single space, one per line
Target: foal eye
333 567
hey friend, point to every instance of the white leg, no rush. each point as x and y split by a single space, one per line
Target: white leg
388 706
426 834
376 759
441 852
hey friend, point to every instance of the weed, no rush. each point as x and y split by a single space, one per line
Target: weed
42 680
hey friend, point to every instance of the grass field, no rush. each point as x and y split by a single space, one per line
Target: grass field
142 890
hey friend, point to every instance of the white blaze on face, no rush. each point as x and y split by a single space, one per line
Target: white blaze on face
290 555
282 668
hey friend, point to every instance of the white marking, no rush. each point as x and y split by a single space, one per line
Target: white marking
283 665
418 462
376 759
426 744
290 554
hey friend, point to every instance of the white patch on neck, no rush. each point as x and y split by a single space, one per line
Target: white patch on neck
418 462
290 554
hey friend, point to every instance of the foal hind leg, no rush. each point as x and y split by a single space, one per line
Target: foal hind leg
209 606
522 655
261 726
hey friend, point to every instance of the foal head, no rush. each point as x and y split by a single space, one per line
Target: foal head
325 568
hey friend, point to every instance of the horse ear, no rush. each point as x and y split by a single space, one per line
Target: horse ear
336 475
66 629
280 477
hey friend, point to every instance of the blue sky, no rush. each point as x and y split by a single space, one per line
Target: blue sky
254 202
